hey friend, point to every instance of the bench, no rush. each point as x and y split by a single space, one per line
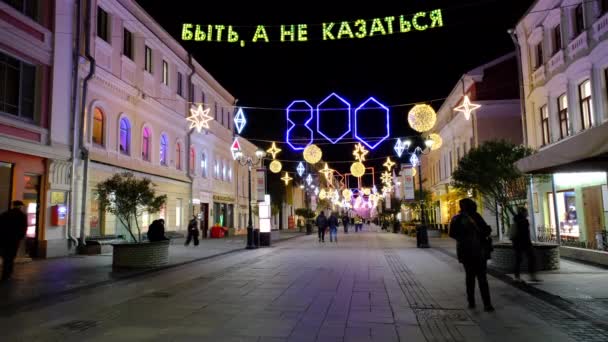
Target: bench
101 244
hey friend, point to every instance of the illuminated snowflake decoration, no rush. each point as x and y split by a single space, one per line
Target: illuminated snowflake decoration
199 118
300 169
316 191
309 179
399 147
239 120
386 177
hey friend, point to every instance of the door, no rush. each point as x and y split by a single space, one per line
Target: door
205 217
593 207
31 199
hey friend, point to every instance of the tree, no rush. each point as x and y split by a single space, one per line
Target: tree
127 198
490 171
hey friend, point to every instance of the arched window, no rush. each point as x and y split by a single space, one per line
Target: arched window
191 162
145 144
98 125
204 164
164 149
125 136
178 156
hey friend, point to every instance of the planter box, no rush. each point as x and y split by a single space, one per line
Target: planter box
547 257
141 255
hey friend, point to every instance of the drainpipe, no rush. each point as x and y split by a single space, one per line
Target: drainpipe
521 85
190 101
84 152
73 109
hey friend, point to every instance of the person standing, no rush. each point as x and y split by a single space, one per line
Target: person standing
156 231
12 231
471 232
345 221
523 244
322 226
192 232
333 228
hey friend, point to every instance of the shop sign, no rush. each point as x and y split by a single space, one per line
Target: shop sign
220 198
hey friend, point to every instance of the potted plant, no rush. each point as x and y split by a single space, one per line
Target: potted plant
127 197
308 215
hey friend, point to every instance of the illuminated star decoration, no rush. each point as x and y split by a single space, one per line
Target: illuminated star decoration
389 164
239 120
309 179
467 107
301 170
326 171
399 147
199 118
360 152
286 178
273 150
414 160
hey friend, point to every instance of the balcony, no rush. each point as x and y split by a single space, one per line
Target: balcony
555 62
600 27
578 45
538 76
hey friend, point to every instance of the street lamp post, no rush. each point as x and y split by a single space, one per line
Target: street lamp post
250 161
415 161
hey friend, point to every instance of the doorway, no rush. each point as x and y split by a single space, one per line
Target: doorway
593 213
204 219
6 186
31 199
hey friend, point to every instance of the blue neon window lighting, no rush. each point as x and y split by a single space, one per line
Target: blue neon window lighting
387 118
320 111
298 145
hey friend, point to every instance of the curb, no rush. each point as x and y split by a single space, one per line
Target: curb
31 303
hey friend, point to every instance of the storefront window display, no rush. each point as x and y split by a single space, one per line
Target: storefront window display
566 212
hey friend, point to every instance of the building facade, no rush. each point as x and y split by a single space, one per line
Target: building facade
564 60
493 86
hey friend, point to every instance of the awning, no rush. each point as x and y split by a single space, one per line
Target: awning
586 151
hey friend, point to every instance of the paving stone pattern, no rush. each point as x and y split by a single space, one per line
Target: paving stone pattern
368 287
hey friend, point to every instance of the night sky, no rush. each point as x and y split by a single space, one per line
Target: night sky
395 69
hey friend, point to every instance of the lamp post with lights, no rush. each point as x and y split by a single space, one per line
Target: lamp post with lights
250 161
415 161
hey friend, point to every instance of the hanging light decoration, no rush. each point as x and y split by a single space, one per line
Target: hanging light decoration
322 194
367 191
414 172
422 118
347 194
360 152
467 107
286 178
437 141
316 191
389 164
357 169
275 166
312 154
414 160
326 171
300 169
273 150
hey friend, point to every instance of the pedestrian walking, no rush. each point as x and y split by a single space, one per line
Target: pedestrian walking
192 232
473 248
358 223
520 237
322 226
12 231
345 221
156 231
333 228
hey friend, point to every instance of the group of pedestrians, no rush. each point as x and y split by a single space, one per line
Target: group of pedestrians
324 223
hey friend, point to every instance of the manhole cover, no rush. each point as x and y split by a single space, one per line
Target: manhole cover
77 326
453 315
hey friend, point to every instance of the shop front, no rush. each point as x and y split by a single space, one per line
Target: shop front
223 211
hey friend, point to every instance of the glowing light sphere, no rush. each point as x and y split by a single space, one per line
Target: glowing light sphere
422 117
437 141
275 166
357 169
312 154
347 194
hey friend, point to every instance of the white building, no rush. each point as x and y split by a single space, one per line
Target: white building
564 49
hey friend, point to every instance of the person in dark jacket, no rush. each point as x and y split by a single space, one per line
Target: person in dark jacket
471 232
13 227
192 232
522 244
332 222
156 231
345 221
322 225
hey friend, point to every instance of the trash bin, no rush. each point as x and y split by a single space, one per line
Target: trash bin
422 237
308 229
256 237
396 227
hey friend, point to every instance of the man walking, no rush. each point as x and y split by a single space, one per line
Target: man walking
358 223
471 232
333 228
345 221
12 231
322 225
192 232
522 244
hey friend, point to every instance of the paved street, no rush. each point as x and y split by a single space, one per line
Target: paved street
368 287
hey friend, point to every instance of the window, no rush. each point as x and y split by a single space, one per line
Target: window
203 99
29 8
191 92
222 110
17 87
451 168
178 156
544 124
97 127
603 6
163 149
539 55
224 171
165 79
579 21
178 213
229 120
127 43
557 39
145 144
191 161
584 91
216 111
125 136
103 24
216 169
180 84
204 165
562 109
148 61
